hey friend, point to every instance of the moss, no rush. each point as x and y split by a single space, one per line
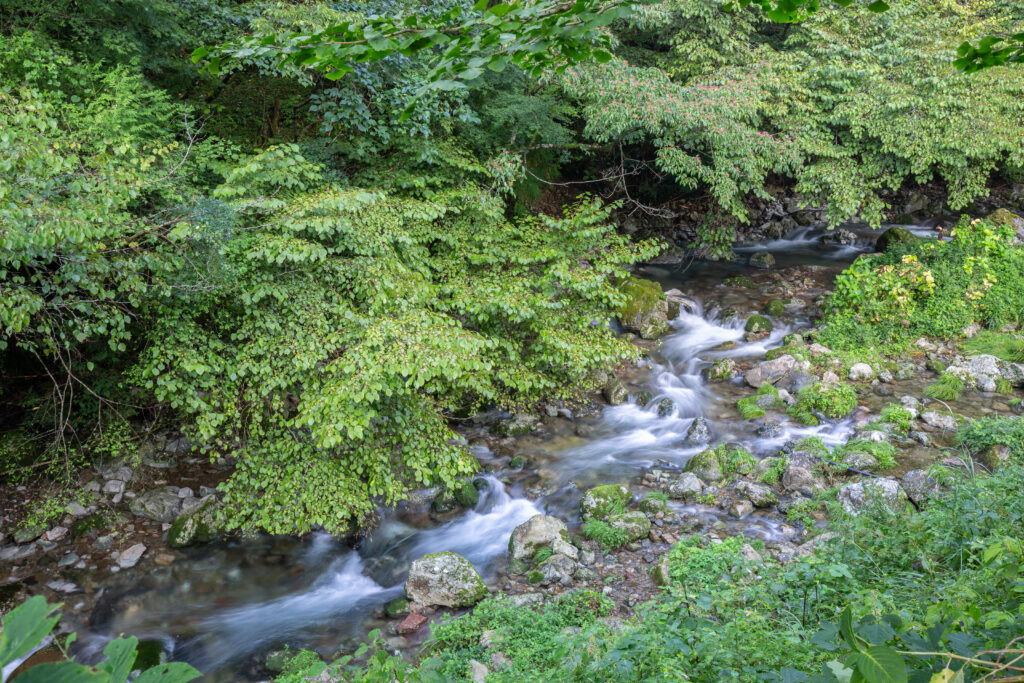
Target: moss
723 370
541 555
467 495
896 235
748 408
535 576
898 416
883 452
757 324
644 309
740 281
775 308
517 462
193 527
947 387
87 525
396 607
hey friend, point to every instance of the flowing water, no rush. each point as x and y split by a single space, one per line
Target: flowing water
226 604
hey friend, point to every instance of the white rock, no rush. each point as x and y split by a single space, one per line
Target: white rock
943 421
185 492
56 533
855 497
861 371
114 486
131 556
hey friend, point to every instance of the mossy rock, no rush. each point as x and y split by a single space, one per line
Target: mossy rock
467 495
615 392
150 653
757 324
517 462
645 310
740 281
775 308
396 607
517 425
653 506
634 525
763 260
706 466
897 234
445 579
87 525
602 501
723 370
195 526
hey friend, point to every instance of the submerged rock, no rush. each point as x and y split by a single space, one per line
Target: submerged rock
445 579
895 235
763 260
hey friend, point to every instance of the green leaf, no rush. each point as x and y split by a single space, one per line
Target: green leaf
120 654
63 672
879 664
878 6
25 627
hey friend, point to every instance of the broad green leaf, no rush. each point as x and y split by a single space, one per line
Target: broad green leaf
25 627
879 664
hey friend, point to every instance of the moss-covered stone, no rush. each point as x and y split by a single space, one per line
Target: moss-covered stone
467 495
196 526
517 462
396 607
775 308
634 525
897 234
615 392
645 310
706 466
763 260
605 500
87 525
757 324
740 281
723 370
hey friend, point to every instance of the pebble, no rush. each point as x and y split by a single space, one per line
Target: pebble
76 509
114 486
56 533
185 492
70 558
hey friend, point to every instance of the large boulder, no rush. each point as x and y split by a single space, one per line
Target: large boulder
645 310
162 504
601 501
984 372
919 485
705 466
760 495
897 234
859 495
679 303
540 531
771 370
445 579
195 526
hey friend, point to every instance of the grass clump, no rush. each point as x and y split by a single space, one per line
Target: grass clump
999 344
542 554
834 401
883 452
947 387
898 416
753 407
604 534
774 473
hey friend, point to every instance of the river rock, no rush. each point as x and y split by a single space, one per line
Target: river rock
666 407
861 372
600 500
114 469
162 504
517 425
699 432
645 310
56 534
446 579
679 303
722 370
741 508
130 557
919 485
856 496
840 236
771 370
557 569
635 524
760 495
983 372
615 392
411 623
893 236
705 465
943 421
686 487
763 260
800 479
1007 217
196 526
478 672
540 531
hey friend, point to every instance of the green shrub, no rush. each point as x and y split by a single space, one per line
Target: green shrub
773 475
983 433
897 416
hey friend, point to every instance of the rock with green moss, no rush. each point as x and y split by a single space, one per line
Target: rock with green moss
444 579
661 572
517 425
763 260
195 526
615 392
635 525
723 370
645 310
653 505
1009 219
602 501
538 532
396 607
740 281
705 466
467 495
896 235
758 324
775 308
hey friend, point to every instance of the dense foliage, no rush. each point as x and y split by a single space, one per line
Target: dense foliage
929 288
